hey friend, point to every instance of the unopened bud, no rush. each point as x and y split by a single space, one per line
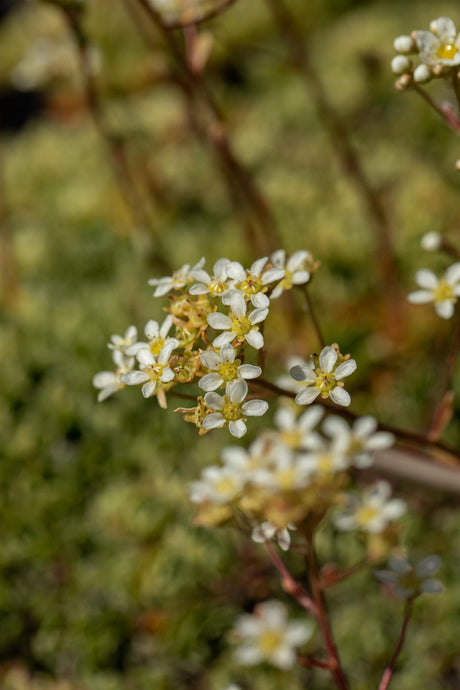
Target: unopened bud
403 82
422 74
457 165
404 44
400 64
431 241
438 70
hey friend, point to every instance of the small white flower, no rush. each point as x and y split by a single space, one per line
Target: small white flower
325 460
153 370
224 368
286 472
359 441
124 342
295 272
237 325
410 581
231 410
267 530
216 285
109 382
178 280
252 283
268 636
404 44
156 336
324 379
218 485
440 45
257 456
431 241
296 432
400 64
443 291
371 511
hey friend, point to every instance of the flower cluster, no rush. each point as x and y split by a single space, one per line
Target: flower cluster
295 473
214 324
438 51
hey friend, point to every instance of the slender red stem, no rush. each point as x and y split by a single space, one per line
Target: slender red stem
388 673
289 584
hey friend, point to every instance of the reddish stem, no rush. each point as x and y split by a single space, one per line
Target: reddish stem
289 584
388 673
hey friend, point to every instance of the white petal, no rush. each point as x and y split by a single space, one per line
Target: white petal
255 408
220 268
236 271
134 378
201 276
386 576
297 259
219 321
306 396
272 275
255 339
431 587
346 523
248 656
104 379
298 633
237 391
428 565
278 258
249 371
445 29
258 265
107 392
210 382
452 274
302 373
237 304
258 315
198 289
215 420
260 300
420 297
238 428
145 357
166 350
394 509
300 277
148 388
227 354
152 329
444 309
223 339
380 441
426 279
209 359
426 41
283 657
327 358
400 565
340 396
345 369
364 426
336 426
167 375
214 401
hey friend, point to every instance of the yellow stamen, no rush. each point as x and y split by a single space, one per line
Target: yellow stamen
447 51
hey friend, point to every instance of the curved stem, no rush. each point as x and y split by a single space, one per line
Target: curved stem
288 583
388 673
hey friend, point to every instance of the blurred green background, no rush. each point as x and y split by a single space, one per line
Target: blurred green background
105 584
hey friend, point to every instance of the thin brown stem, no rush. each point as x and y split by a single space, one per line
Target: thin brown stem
310 662
341 143
388 673
445 111
313 317
322 618
289 584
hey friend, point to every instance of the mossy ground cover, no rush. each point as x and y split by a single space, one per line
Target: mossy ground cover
105 583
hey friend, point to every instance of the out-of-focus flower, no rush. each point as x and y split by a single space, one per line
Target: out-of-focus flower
411 581
443 292
231 410
295 269
179 279
268 636
224 368
109 382
371 511
431 241
156 337
359 441
217 485
323 376
440 45
296 432
124 342
153 370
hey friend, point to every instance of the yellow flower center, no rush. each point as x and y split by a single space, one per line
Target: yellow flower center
217 287
365 515
231 411
292 438
154 371
269 641
228 370
447 51
286 478
251 285
225 486
325 464
241 326
156 346
325 382
443 292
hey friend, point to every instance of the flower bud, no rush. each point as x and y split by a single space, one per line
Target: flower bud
404 44
403 82
431 241
457 165
400 64
422 74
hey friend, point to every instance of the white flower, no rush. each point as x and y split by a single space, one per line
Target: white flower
295 272
371 511
431 241
257 456
296 432
215 285
253 283
325 460
156 336
178 280
440 45
359 441
224 368
238 325
267 530
153 370
267 635
443 292
110 382
324 379
231 409
422 74
286 472
410 581
124 342
217 485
